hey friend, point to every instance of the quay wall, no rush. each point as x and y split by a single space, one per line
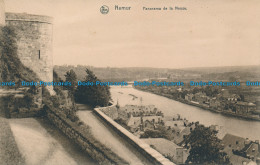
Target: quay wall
152 155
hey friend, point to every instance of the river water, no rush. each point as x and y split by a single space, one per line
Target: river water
239 127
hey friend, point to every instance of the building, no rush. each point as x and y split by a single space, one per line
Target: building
245 107
112 112
215 103
135 122
233 97
189 97
241 150
201 97
252 150
136 108
169 149
234 142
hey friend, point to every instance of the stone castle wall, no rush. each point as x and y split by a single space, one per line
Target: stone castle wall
34 41
2 13
152 155
83 138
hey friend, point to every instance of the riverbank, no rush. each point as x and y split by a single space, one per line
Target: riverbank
233 125
226 113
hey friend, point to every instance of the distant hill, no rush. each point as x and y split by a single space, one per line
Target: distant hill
208 70
138 73
113 74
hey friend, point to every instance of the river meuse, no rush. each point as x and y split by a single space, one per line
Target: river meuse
240 127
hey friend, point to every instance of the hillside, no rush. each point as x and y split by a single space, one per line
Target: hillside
243 73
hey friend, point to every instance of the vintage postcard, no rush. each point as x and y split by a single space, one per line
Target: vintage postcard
129 82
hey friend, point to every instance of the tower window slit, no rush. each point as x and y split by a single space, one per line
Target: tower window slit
39 53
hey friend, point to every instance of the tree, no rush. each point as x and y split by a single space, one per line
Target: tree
160 132
195 90
242 97
95 95
184 93
72 78
205 147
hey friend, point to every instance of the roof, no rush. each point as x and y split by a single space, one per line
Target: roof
245 103
162 145
236 142
172 123
235 159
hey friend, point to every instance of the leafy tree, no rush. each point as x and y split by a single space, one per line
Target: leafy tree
184 93
242 97
160 132
28 100
95 95
71 77
195 90
56 88
205 147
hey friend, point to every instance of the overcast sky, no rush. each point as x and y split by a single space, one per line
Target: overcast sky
209 33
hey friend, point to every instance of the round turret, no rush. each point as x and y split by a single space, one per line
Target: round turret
34 42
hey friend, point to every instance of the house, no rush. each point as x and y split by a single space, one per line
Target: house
179 129
233 97
229 97
214 103
234 142
180 134
239 160
245 107
175 153
136 110
175 123
112 112
189 97
251 150
201 97
137 121
241 150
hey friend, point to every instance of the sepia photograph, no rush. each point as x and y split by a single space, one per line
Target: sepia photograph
129 82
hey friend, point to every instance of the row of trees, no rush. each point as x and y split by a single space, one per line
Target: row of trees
92 95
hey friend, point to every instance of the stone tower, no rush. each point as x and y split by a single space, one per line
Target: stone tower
2 12
34 41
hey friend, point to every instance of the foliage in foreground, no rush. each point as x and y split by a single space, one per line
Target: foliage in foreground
95 95
205 147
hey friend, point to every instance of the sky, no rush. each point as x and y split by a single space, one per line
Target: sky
209 33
